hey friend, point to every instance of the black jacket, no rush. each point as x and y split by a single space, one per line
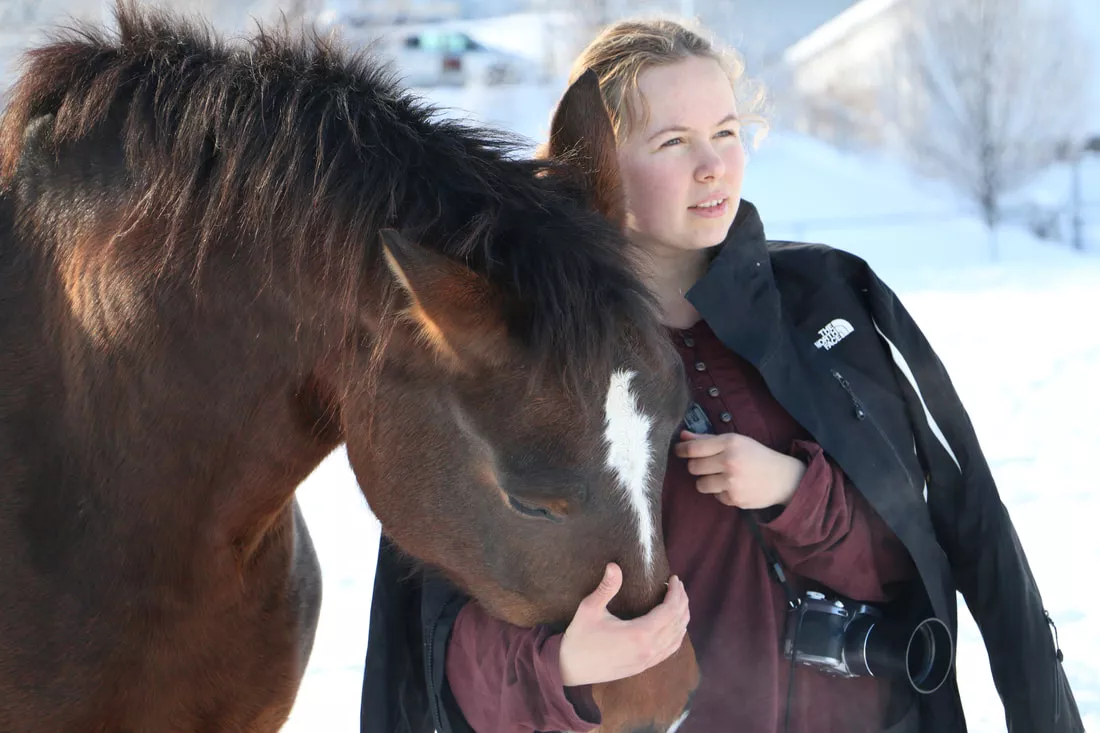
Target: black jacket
841 354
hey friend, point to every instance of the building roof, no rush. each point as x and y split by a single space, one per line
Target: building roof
835 29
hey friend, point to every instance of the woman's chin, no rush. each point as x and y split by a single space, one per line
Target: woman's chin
713 235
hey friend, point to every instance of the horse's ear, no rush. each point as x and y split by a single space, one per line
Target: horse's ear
581 135
452 307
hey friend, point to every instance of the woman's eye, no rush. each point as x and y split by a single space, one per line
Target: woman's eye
535 512
670 143
727 133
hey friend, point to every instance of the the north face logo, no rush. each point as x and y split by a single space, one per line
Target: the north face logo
832 334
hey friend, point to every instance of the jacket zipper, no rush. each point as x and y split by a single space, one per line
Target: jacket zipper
862 414
857 406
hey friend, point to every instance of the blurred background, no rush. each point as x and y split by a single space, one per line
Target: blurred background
907 81
954 144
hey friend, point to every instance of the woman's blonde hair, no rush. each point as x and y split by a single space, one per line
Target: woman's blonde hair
623 50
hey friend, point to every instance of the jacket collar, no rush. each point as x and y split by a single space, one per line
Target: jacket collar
737 296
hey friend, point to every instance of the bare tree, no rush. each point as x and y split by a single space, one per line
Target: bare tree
986 92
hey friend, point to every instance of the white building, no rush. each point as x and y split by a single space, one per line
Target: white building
837 72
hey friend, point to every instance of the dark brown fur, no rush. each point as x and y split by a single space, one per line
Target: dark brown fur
216 265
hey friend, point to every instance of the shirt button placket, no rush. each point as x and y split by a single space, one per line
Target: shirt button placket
712 390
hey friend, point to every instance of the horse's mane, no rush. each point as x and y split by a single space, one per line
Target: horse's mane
290 142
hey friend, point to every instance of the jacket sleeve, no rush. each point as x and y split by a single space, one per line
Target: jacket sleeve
507 679
830 534
974 528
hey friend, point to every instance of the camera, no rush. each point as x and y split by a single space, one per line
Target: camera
846 638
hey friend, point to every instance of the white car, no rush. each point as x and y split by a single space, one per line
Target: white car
450 57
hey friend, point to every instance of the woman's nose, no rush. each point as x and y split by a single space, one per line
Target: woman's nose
711 166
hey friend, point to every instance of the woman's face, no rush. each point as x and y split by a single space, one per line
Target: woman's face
682 173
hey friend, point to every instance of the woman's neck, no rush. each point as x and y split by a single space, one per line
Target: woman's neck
669 274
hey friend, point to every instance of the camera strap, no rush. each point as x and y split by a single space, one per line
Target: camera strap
793 601
774 565
696 421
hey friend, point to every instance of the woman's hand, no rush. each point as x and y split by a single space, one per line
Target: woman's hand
739 471
598 647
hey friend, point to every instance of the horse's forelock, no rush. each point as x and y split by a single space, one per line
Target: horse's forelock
582 308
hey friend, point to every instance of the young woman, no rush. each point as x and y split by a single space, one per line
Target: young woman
826 431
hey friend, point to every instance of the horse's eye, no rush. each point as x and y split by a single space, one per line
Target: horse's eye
535 512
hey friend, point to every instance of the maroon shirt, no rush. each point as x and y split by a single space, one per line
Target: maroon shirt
508 679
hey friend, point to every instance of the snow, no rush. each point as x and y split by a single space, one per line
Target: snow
1018 336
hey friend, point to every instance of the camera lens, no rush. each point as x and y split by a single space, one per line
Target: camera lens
929 655
922 652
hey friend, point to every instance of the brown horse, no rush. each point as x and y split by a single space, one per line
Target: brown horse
218 263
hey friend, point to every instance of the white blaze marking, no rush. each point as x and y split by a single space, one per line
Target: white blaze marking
629 454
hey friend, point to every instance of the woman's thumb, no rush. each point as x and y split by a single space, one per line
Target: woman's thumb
610 584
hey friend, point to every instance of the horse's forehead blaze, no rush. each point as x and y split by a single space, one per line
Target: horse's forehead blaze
629 454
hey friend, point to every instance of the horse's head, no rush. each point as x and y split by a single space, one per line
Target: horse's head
515 423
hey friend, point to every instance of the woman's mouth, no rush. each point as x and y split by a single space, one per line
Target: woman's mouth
712 208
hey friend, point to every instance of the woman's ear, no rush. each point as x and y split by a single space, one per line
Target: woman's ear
581 135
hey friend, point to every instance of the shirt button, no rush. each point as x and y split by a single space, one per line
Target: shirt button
725 417
713 391
689 341
700 366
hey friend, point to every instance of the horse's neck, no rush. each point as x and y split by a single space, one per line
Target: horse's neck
139 405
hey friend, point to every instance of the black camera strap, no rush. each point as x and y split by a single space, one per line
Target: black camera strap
793 601
774 565
697 421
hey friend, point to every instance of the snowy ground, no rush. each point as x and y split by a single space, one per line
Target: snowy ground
1019 338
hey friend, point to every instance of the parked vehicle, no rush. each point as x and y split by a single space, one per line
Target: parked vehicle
439 57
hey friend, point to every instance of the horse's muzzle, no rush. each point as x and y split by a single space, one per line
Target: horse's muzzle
653 728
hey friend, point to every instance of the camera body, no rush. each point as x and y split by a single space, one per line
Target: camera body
828 633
